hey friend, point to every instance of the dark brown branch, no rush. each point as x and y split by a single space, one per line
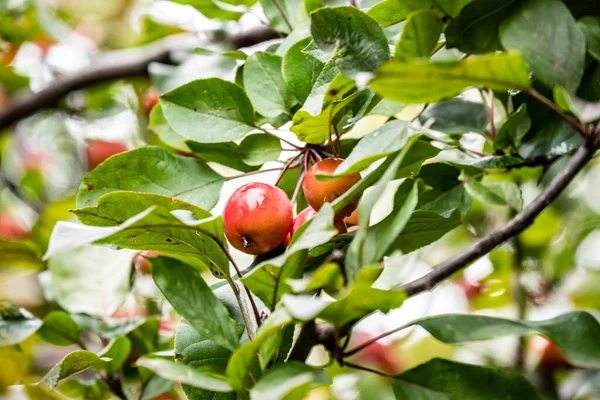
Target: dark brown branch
580 128
512 228
114 65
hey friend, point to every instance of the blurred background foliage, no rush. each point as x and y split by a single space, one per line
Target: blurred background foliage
551 268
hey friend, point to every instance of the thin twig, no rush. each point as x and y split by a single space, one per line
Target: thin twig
513 227
542 99
369 342
116 65
17 192
367 369
285 18
286 167
260 171
298 184
280 138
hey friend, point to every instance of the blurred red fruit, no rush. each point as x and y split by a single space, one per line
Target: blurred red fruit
352 219
377 355
10 227
142 265
470 288
548 355
150 99
99 150
257 218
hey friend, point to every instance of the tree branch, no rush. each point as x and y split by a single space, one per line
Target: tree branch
115 65
513 227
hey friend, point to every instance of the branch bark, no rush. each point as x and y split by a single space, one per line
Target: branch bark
115 65
512 228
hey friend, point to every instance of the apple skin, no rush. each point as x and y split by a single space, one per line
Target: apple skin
10 228
99 150
150 99
377 355
550 357
318 192
7 52
257 218
141 263
352 219
305 216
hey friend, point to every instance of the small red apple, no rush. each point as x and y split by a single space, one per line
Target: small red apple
377 355
10 227
257 218
319 192
305 216
99 150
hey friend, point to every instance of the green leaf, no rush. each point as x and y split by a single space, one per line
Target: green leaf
241 361
268 281
445 192
513 130
257 149
590 25
422 229
300 70
390 12
19 253
211 10
92 390
11 81
265 85
200 353
191 297
383 141
364 250
209 111
142 221
235 54
412 162
495 193
360 301
73 363
475 30
456 116
182 373
316 129
292 380
60 329
331 85
118 351
16 324
575 332
583 110
552 44
445 380
422 81
382 236
227 154
420 35
328 277
153 170
159 125
496 161
336 29
78 283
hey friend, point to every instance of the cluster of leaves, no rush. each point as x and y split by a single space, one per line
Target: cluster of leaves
319 84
